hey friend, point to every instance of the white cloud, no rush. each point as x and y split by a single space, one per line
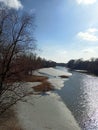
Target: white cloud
12 3
89 50
86 2
89 35
92 30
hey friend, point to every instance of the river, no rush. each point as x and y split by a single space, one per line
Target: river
80 94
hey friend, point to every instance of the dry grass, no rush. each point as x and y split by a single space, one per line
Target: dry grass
33 78
64 76
27 78
44 87
8 121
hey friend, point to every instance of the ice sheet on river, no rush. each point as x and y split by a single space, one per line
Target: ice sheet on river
46 111
54 72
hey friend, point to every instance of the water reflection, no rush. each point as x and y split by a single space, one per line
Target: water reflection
80 94
90 92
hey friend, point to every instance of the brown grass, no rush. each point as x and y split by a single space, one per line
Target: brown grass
27 78
44 87
64 76
8 121
33 78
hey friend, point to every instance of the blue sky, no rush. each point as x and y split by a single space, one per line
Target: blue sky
66 29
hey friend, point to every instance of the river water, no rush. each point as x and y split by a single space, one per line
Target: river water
80 94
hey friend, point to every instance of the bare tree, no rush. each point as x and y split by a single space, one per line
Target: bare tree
15 39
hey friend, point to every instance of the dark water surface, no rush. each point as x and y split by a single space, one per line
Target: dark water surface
80 94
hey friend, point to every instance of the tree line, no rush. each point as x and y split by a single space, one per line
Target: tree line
17 54
91 66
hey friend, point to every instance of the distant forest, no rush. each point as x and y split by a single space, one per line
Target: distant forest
91 66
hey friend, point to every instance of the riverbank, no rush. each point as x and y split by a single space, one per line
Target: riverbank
9 121
86 72
46 111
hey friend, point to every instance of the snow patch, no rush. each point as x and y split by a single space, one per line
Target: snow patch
53 72
58 82
44 113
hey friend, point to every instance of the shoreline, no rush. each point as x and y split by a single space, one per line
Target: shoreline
48 111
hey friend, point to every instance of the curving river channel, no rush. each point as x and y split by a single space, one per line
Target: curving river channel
80 94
